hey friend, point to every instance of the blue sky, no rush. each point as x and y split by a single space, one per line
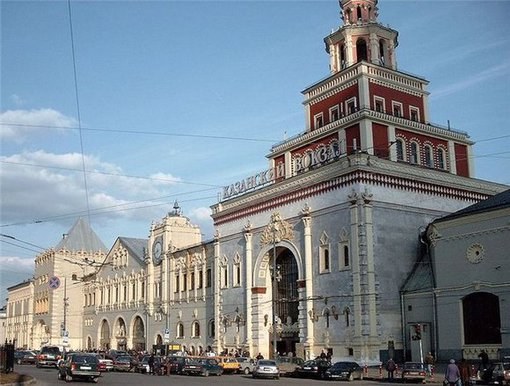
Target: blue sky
176 99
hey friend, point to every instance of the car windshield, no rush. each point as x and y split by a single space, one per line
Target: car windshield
414 366
50 350
343 365
266 363
84 359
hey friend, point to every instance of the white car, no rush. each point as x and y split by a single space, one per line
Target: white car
266 368
246 365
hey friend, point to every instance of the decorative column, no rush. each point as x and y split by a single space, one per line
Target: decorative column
308 277
248 237
217 344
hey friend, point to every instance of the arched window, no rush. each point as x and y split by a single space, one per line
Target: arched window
482 322
180 330
381 52
414 158
195 329
429 159
400 150
343 61
358 12
441 159
361 50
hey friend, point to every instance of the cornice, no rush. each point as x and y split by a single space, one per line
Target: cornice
349 170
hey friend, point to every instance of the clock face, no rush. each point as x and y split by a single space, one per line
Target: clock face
157 249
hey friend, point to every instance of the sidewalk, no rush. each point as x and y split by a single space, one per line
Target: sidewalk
376 373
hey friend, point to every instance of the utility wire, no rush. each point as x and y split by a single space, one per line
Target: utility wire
76 93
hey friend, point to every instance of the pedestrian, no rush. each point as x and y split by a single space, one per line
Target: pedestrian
390 368
429 361
150 361
260 356
465 372
452 374
484 357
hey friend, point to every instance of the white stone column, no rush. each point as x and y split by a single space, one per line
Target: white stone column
308 278
216 286
248 271
356 271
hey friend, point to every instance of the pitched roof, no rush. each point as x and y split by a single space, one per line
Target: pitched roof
81 237
498 201
136 247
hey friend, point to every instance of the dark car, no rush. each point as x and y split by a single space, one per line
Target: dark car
414 372
25 357
175 364
123 363
347 371
314 368
143 367
82 366
202 366
288 365
48 356
495 374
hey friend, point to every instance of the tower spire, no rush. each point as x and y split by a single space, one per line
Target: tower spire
361 38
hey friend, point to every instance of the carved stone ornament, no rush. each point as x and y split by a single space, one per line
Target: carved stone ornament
277 230
475 253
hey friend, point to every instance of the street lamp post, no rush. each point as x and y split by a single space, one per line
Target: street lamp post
275 278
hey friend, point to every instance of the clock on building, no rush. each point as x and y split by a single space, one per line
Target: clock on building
157 250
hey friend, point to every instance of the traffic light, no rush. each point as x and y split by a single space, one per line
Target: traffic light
417 332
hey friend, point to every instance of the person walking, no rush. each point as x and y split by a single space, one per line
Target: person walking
465 372
390 368
452 374
150 361
429 361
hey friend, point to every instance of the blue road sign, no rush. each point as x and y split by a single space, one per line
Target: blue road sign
54 282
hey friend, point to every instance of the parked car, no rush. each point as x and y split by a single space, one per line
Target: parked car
266 368
414 372
501 373
175 364
48 356
202 366
246 365
123 363
143 367
105 364
496 374
347 371
25 357
314 368
288 365
229 364
77 365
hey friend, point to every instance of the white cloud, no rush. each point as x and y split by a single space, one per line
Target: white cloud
42 185
19 124
14 270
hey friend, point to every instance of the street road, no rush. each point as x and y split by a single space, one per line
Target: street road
48 377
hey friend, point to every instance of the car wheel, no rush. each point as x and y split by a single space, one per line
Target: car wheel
206 373
94 379
351 377
277 377
68 378
247 371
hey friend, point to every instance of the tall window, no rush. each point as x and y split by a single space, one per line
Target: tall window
200 279
379 104
400 150
180 330
345 260
208 278
334 114
351 105
414 153
177 283
482 321
324 257
192 281
195 329
318 121
429 159
397 109
441 159
414 114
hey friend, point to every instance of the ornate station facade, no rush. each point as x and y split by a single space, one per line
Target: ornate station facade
311 253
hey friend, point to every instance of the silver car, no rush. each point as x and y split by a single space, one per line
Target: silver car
266 368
